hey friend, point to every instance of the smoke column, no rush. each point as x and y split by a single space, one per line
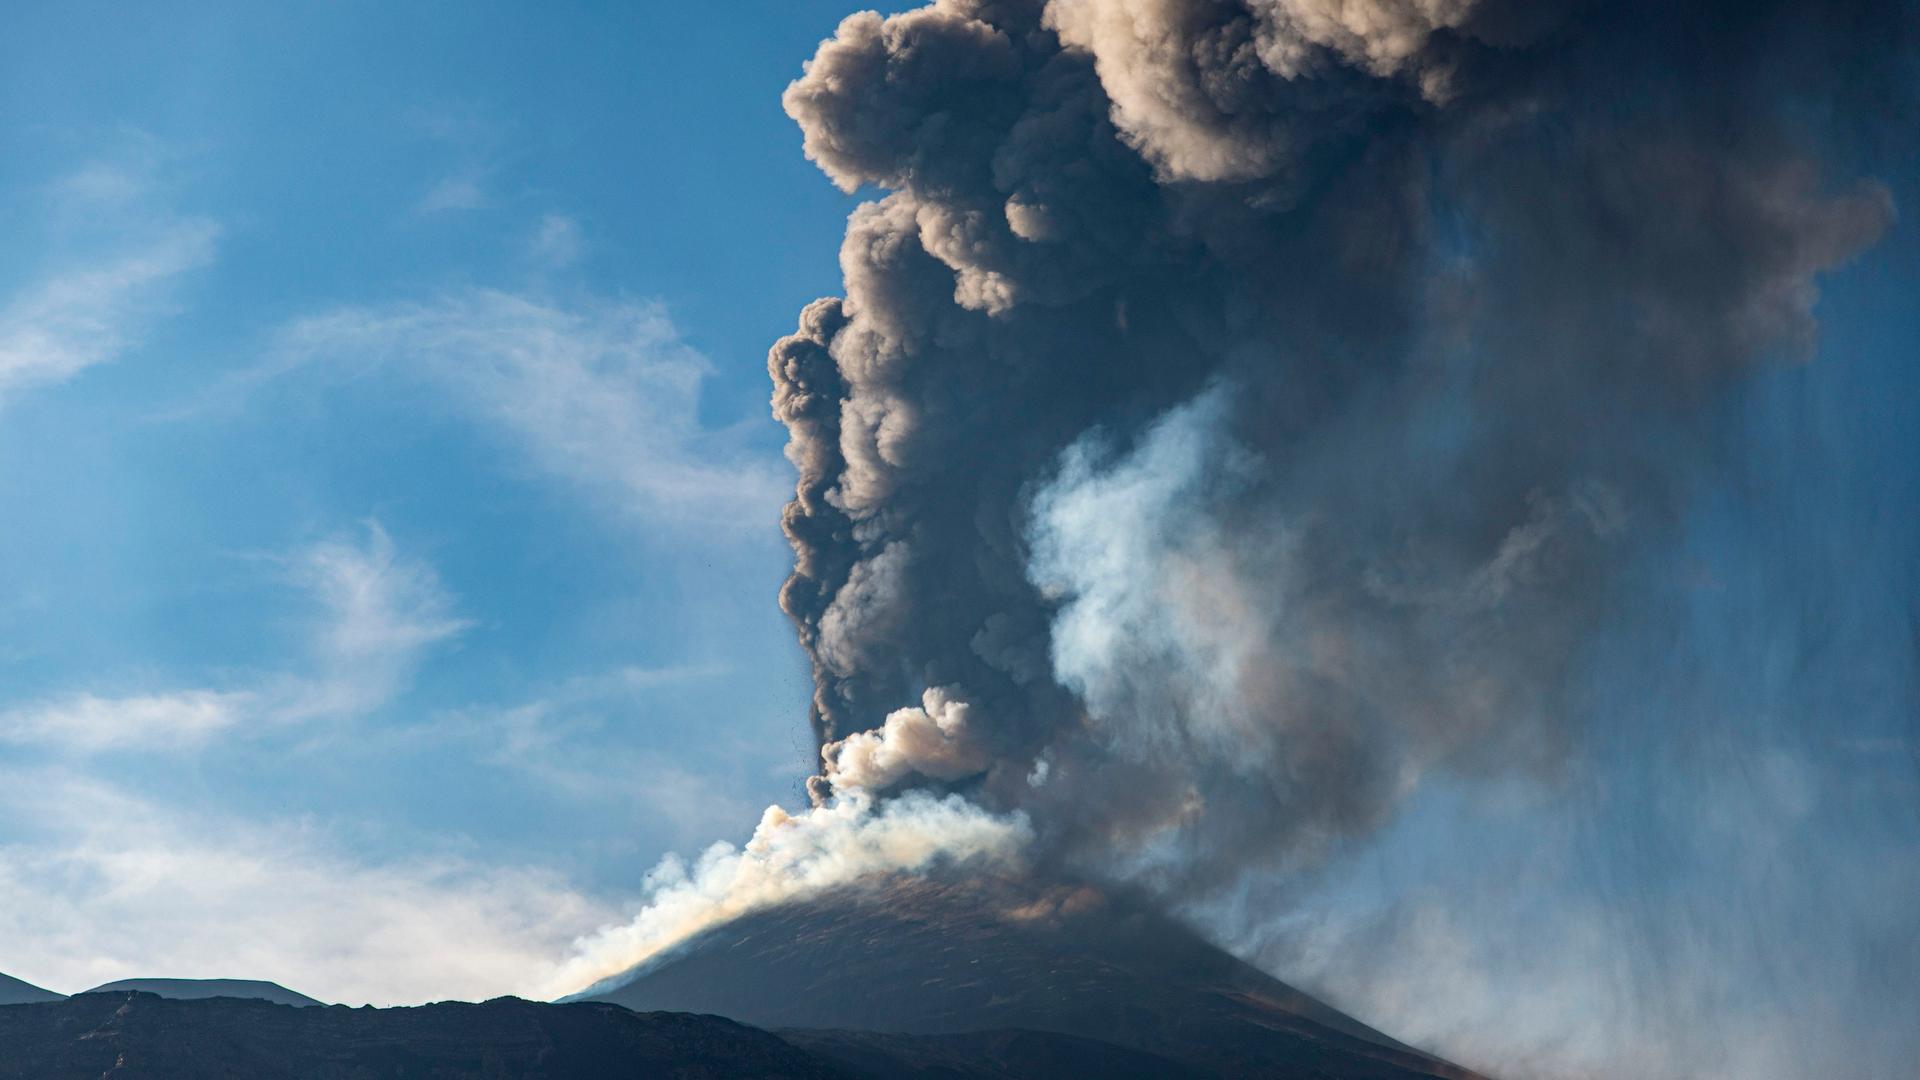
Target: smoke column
1273 441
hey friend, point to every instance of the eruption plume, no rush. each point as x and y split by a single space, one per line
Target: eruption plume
1249 422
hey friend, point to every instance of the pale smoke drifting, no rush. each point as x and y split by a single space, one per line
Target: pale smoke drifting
792 857
848 838
1246 418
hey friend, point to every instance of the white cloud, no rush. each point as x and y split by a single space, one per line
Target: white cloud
380 614
461 191
556 241
603 395
562 744
96 885
474 137
89 314
88 723
102 184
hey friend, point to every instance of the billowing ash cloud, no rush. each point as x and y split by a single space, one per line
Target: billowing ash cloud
1241 412
1245 91
1215 395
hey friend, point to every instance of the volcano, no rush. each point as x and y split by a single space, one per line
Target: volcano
965 967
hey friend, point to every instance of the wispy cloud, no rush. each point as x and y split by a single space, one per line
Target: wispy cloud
107 183
127 889
383 612
461 191
89 723
564 744
380 613
474 136
556 241
89 314
601 394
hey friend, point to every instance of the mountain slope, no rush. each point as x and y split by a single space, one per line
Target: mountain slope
986 1055
144 1037
194 989
15 992
921 957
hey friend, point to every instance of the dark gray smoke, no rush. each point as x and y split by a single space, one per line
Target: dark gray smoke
1244 411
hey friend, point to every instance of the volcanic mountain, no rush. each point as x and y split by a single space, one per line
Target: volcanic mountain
939 960
195 989
15 992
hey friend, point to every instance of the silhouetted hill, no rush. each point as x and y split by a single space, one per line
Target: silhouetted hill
15 992
194 989
925 958
136 1036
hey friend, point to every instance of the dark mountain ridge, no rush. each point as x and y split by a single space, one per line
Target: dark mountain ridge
138 1036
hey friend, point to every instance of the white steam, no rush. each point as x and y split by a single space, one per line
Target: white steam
933 740
791 857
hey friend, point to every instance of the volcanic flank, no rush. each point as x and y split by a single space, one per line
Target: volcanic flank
924 956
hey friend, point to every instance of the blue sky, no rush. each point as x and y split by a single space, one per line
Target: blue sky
391 499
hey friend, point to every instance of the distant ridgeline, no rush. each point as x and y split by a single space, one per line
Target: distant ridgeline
195 989
15 992
129 1033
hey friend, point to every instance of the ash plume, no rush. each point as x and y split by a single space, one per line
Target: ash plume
1245 417
1244 406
